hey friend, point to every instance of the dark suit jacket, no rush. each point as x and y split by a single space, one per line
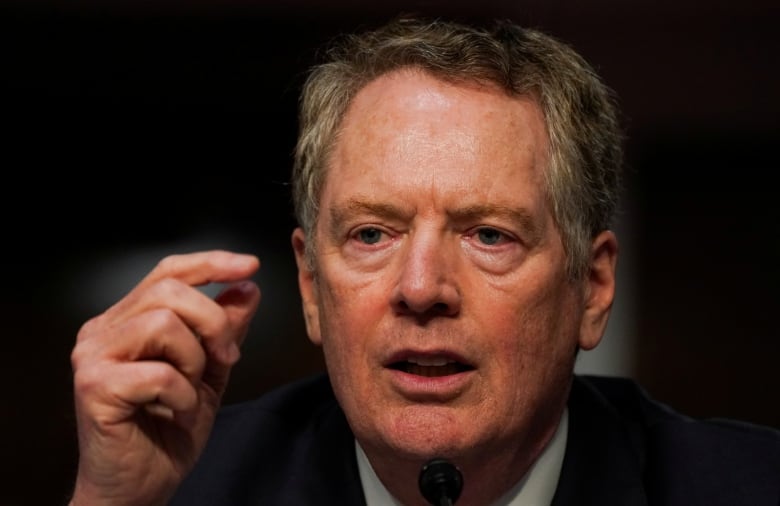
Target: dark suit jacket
293 447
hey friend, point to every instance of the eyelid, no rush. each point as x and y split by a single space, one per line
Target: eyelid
366 226
506 236
518 224
363 212
354 233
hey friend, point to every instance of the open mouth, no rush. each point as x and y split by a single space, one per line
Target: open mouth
430 367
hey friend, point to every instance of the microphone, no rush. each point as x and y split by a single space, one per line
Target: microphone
440 482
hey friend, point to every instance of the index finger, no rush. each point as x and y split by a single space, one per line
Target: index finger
196 269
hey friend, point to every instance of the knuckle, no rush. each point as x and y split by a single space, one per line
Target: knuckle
82 352
168 287
162 320
87 380
168 263
164 377
76 357
90 328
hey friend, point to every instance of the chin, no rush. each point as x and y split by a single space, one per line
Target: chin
420 433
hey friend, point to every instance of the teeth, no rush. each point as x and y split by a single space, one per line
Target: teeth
430 361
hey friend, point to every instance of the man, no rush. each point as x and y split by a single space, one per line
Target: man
454 188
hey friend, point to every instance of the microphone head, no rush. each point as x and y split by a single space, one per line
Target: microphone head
440 482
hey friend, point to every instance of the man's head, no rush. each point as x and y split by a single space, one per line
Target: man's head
585 140
454 251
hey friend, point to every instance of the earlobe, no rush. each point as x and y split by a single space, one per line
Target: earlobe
600 289
307 286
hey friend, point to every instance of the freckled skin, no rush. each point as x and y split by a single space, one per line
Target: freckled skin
426 166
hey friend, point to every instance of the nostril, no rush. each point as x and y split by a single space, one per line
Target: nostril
436 308
424 308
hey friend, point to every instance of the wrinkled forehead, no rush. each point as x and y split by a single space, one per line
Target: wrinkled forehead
408 132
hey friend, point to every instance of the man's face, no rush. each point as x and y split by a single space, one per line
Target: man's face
439 294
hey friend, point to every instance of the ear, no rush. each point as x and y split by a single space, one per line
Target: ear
599 289
307 286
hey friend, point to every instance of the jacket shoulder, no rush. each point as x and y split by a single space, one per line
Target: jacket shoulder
286 447
699 461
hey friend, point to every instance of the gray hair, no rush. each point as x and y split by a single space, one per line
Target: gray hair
585 139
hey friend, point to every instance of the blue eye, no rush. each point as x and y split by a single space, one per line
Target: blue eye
489 236
369 235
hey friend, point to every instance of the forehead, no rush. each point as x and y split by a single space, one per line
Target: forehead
408 130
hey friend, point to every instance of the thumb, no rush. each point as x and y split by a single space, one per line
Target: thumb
239 301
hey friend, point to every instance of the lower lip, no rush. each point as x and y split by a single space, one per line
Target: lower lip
429 388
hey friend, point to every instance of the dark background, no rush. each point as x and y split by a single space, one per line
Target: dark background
135 129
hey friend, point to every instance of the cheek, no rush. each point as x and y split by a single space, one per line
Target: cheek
349 320
531 363
349 313
541 331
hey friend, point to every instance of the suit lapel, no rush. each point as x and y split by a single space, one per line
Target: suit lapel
329 456
603 460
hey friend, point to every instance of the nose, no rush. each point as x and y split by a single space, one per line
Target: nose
427 284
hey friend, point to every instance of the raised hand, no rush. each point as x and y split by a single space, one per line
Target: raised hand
149 374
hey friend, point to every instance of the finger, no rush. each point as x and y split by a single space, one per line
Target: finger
165 333
221 323
175 300
112 393
239 302
157 334
196 269
168 285
201 313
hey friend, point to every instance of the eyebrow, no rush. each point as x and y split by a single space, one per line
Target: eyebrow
356 206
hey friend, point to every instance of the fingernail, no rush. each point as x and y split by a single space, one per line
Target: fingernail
245 286
243 261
